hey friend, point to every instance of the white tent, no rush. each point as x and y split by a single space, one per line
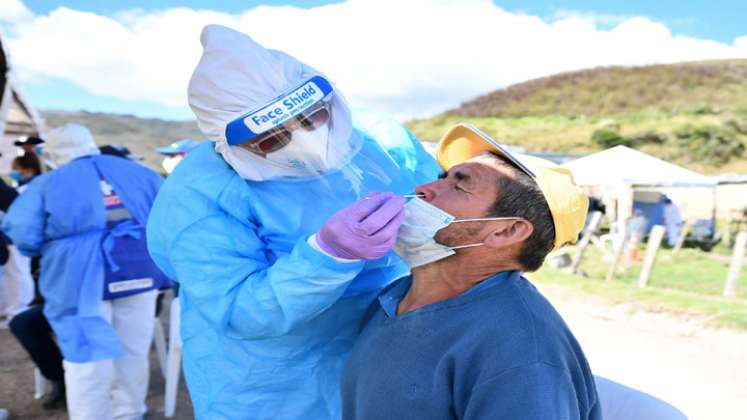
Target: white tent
17 117
622 164
621 175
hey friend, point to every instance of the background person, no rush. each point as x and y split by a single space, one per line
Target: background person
673 221
30 144
86 219
175 152
466 336
31 327
16 282
274 231
24 168
119 151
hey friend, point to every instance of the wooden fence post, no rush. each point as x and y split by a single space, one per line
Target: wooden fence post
683 235
596 218
618 256
652 248
730 290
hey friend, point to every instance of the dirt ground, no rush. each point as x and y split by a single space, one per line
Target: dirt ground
17 386
701 371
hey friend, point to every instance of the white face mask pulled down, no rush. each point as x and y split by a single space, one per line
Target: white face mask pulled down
307 150
416 244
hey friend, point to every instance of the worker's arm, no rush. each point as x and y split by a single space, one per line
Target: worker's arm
25 221
223 269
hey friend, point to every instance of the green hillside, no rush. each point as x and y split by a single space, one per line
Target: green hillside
694 114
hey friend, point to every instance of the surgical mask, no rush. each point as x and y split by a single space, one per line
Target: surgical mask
15 175
416 244
307 150
169 163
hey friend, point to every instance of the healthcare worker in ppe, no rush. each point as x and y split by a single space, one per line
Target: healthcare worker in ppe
175 152
87 221
279 231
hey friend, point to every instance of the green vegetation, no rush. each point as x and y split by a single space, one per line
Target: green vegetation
712 144
691 282
692 114
702 88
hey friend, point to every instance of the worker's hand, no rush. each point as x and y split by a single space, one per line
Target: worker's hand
365 230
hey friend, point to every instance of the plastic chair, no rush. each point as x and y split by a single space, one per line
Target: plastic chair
174 360
41 384
620 402
159 341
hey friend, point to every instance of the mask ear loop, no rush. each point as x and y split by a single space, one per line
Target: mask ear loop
480 219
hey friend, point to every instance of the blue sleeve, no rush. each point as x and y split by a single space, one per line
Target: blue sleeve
224 272
538 391
428 168
25 221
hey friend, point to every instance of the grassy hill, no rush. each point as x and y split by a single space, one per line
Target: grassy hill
140 135
694 114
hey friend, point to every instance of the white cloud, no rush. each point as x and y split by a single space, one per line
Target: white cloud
594 17
14 11
409 58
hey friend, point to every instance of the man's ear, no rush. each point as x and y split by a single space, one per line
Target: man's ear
508 233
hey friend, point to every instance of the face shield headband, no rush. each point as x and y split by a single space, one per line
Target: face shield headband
279 111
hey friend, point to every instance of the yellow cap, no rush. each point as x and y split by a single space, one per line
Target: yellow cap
567 202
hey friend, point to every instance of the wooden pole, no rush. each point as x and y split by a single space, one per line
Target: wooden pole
683 235
596 218
652 248
618 257
730 290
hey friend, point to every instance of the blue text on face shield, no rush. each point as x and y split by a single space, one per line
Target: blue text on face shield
291 105
278 111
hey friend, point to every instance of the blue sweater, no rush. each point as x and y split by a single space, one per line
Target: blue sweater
497 351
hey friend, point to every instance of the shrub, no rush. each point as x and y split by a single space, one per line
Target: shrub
710 143
606 138
648 137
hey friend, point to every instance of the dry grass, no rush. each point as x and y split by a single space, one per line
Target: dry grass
673 88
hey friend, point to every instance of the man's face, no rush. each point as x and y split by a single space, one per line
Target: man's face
466 191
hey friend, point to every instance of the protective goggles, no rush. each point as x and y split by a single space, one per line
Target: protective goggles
293 106
278 137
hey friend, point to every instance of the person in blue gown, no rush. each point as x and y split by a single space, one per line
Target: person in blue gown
279 230
86 219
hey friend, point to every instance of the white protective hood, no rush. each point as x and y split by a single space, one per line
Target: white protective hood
235 76
69 142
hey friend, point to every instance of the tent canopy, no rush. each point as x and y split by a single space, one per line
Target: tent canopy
17 114
17 117
622 164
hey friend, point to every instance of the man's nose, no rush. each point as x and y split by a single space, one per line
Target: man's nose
428 191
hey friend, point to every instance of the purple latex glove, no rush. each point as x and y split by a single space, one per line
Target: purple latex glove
364 230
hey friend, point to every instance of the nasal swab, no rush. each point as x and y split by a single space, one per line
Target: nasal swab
405 196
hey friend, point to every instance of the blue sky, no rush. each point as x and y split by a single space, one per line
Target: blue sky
695 19
722 21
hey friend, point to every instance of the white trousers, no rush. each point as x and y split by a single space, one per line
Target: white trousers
18 283
116 388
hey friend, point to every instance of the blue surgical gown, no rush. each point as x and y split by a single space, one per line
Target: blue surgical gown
267 320
61 216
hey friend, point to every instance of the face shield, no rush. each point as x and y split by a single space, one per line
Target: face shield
305 132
